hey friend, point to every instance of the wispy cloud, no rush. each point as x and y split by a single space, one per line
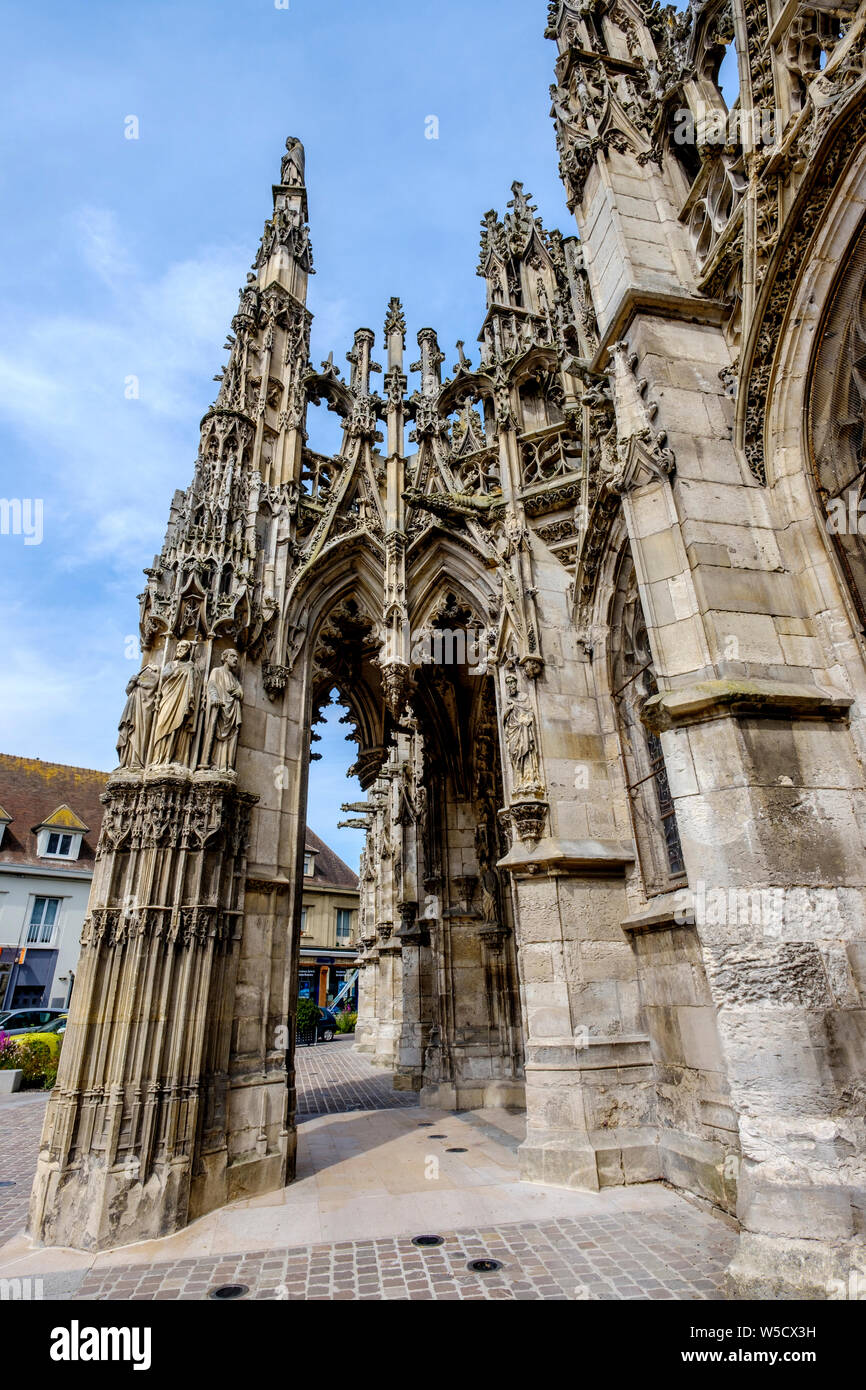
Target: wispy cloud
108 402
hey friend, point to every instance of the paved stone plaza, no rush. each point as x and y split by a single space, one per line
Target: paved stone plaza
332 1077
375 1169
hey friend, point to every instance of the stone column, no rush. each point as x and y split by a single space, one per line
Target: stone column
589 1081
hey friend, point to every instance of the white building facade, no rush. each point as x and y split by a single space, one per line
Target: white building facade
50 816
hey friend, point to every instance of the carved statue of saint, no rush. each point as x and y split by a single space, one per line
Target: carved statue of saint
518 722
135 722
249 301
489 906
224 700
292 167
174 724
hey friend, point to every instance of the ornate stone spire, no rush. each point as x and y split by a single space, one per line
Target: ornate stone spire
138 1132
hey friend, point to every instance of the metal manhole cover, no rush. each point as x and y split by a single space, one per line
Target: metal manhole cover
227 1291
484 1266
456 1151
428 1240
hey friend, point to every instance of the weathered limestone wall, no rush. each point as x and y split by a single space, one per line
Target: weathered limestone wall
589 1095
633 244
697 1128
768 787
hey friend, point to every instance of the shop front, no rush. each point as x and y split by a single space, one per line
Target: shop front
323 976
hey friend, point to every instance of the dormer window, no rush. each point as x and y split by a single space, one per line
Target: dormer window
309 863
5 820
60 836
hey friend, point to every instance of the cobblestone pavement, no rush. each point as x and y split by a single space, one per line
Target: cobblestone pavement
20 1128
672 1256
331 1078
633 1244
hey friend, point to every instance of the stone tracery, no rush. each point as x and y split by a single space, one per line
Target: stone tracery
541 623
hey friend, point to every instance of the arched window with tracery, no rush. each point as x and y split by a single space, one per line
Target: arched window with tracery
633 681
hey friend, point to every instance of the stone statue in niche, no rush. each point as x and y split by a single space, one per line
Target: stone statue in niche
489 898
177 707
135 723
224 700
518 723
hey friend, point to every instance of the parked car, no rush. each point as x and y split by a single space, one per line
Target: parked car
50 1033
13 1020
327 1025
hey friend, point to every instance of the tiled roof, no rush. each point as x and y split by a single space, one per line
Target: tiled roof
329 869
64 818
34 792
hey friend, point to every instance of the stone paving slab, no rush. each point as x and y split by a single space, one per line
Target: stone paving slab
331 1078
652 1256
21 1118
342 1231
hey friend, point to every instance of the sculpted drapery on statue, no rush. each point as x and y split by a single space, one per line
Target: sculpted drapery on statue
292 168
174 725
518 722
224 698
137 718
171 712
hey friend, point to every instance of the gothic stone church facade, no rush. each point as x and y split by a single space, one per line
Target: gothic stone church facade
596 603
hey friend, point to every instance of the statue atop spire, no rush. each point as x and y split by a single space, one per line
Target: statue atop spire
292 167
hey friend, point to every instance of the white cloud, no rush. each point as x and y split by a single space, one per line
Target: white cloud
106 468
100 244
61 682
108 460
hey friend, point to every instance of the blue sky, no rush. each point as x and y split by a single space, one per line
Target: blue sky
123 258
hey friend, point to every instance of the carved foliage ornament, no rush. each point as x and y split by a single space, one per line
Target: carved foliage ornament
837 420
792 255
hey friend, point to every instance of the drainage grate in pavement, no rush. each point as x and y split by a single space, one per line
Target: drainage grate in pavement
228 1291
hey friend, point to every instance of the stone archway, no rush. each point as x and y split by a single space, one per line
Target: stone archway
283 570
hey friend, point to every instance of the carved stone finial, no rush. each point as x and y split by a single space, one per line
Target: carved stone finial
633 452
395 320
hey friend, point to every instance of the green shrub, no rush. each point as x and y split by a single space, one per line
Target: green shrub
36 1060
346 1022
307 1016
51 1069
